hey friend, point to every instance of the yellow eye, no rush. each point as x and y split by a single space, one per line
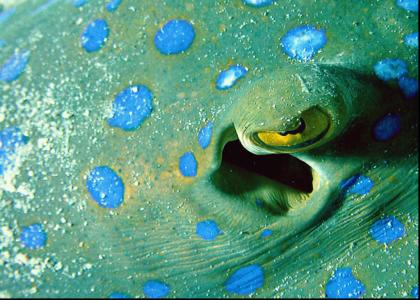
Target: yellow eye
313 125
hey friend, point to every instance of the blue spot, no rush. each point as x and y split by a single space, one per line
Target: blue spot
79 3
259 202
229 77
131 107
118 295
409 86
415 292
246 280
105 187
155 289
204 135
265 233
14 66
258 3
33 236
174 37
2 43
387 127
10 139
343 285
410 5
412 40
6 14
95 35
357 184
390 68
188 164
387 230
113 5
207 230
303 42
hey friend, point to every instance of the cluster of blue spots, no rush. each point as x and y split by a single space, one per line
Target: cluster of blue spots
118 295
188 164
387 127
204 135
95 35
387 230
410 5
246 280
14 66
174 37
105 187
6 14
415 292
207 230
155 289
258 3
113 5
343 285
79 3
227 78
412 39
33 236
10 139
409 86
266 233
390 68
357 184
131 107
303 42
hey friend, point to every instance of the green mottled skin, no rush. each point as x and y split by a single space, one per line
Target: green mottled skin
65 95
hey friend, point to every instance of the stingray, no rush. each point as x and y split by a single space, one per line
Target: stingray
243 148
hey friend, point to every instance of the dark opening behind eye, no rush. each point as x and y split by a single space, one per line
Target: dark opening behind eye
282 168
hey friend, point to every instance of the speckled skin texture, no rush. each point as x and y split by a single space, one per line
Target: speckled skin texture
63 99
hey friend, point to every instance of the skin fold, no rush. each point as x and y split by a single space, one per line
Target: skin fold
62 102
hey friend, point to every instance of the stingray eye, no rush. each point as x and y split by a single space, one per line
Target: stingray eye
312 126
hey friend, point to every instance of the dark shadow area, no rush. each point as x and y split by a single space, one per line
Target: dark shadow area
263 177
359 139
281 168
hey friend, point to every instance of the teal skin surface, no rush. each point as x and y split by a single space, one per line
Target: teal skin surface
63 99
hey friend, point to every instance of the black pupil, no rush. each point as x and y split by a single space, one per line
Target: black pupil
299 129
